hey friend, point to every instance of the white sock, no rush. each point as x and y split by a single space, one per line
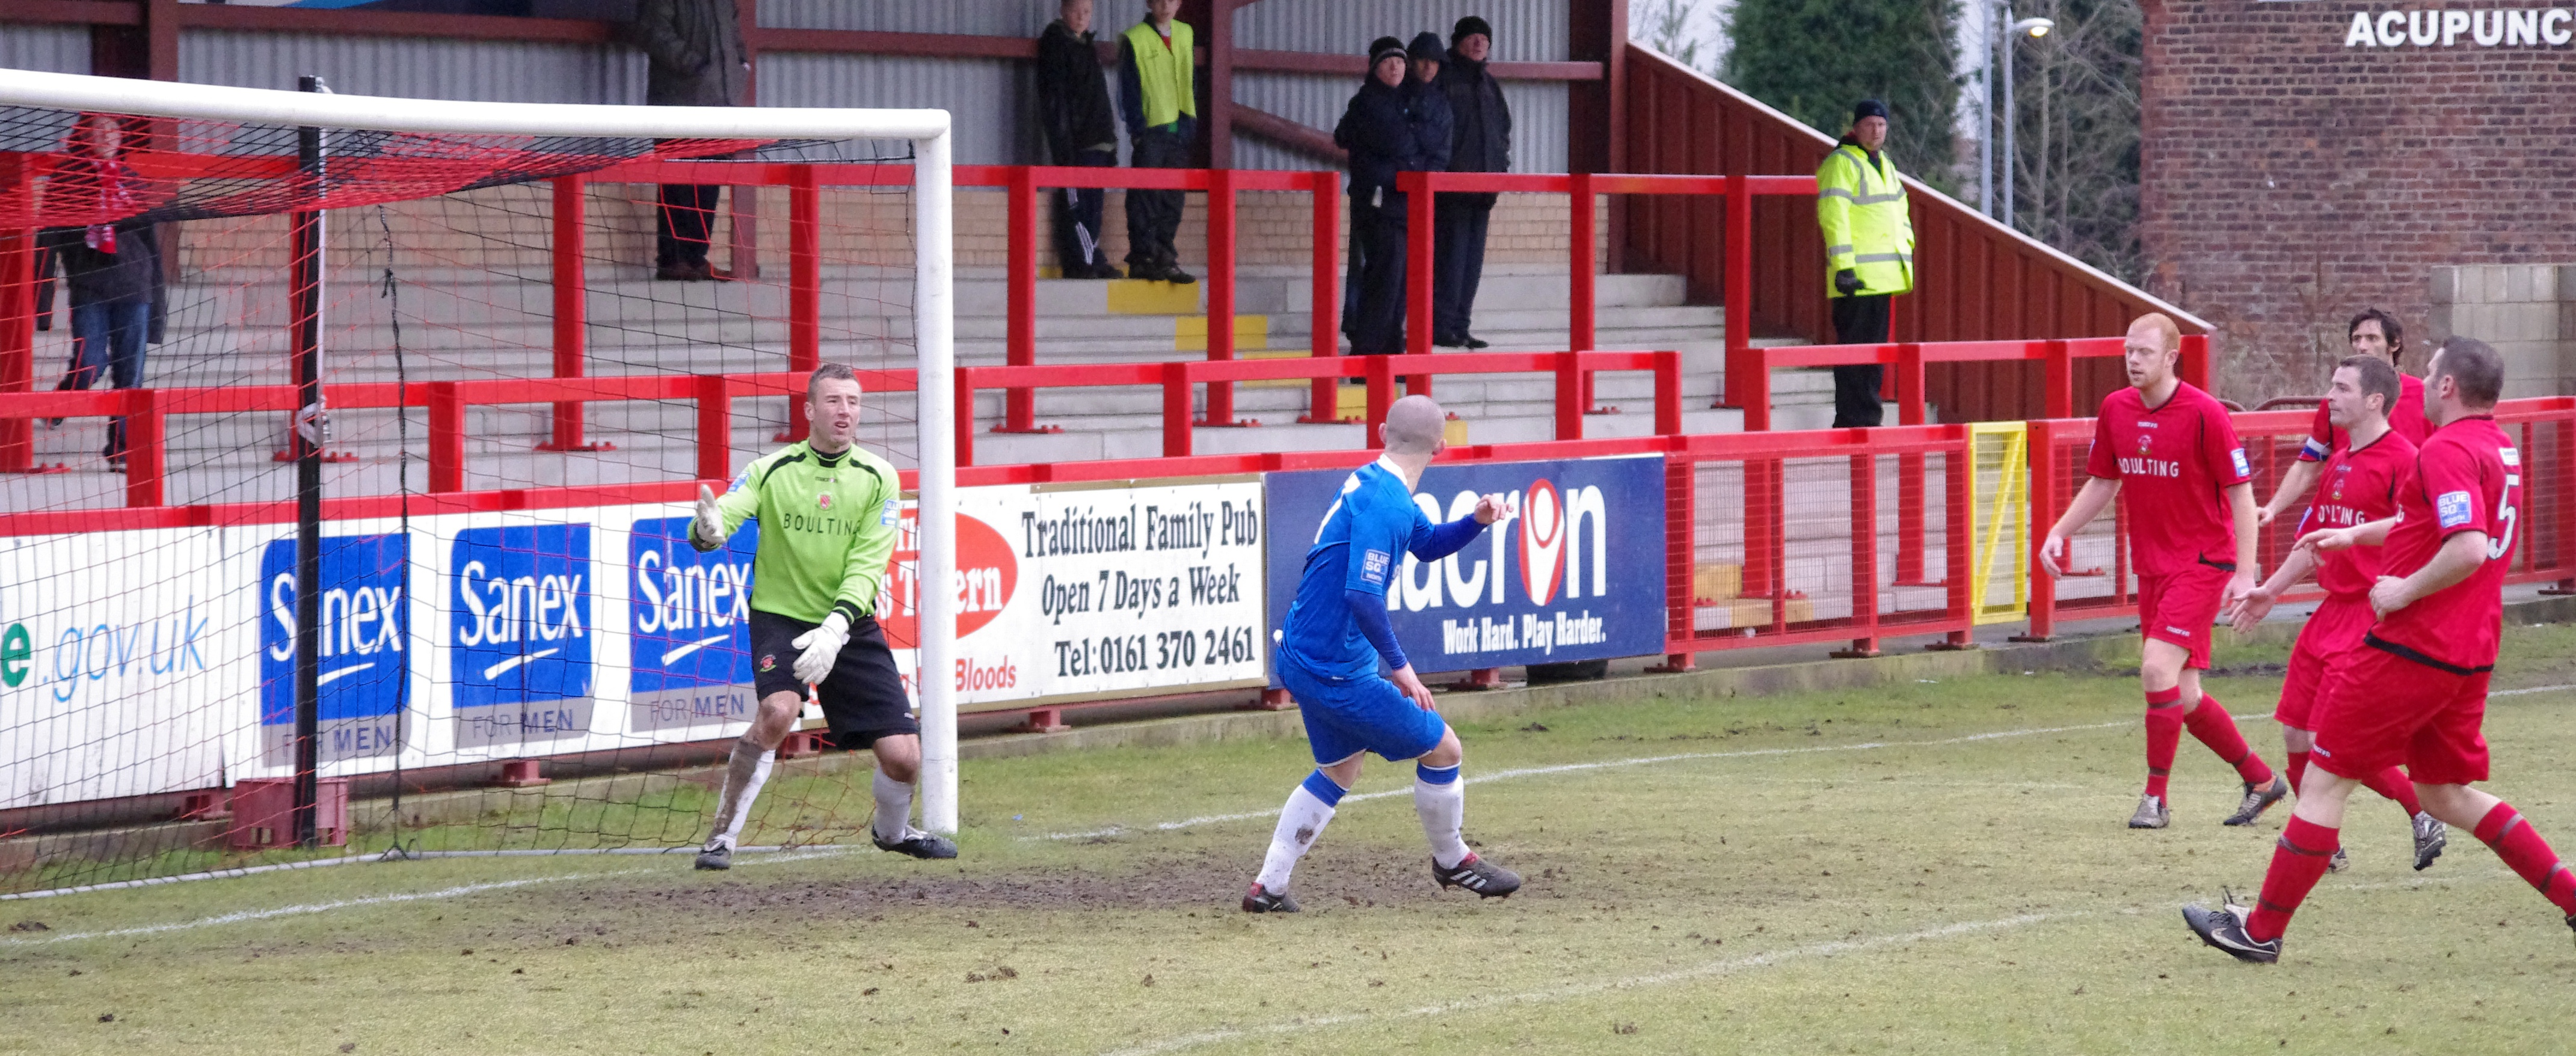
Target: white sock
744 774
1301 821
894 808
1440 799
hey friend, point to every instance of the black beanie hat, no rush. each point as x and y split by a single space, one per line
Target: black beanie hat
1470 26
1868 108
1427 46
1382 47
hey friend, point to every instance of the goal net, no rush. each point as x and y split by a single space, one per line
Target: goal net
347 448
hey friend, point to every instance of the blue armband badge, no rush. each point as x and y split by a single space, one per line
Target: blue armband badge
1373 566
2455 508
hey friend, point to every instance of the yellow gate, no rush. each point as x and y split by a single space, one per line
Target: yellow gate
1999 521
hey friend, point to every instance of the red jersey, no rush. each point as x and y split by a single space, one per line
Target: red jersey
2406 420
2174 464
2357 487
2468 478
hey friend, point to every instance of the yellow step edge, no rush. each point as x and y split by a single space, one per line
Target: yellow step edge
1147 297
1190 333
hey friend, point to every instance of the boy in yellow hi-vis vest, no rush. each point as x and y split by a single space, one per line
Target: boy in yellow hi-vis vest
1869 251
1157 97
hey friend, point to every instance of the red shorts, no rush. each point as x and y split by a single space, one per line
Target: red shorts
2378 709
2334 629
2181 607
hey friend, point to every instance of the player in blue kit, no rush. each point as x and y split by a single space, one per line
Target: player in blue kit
1328 658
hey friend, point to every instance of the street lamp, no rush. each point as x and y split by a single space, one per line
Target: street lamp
2030 27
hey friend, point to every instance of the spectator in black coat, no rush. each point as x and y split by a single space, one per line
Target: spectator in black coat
1073 104
1396 123
1480 141
112 273
695 57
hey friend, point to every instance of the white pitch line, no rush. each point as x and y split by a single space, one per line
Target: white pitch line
2534 689
1565 768
310 907
1713 968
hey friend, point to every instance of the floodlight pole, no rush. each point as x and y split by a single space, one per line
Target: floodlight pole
305 437
935 325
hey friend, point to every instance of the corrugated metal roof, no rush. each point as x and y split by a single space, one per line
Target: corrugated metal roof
1524 30
471 70
991 18
1317 101
990 97
46 49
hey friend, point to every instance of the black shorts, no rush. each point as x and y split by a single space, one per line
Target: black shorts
863 698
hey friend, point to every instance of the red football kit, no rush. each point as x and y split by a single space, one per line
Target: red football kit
2415 693
2406 419
2174 464
2355 487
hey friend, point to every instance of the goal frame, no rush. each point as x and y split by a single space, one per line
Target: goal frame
934 274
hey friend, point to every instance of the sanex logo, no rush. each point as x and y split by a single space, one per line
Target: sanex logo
520 636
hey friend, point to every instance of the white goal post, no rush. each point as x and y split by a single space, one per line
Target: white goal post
934 306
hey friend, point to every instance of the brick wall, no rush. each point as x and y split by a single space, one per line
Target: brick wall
2290 179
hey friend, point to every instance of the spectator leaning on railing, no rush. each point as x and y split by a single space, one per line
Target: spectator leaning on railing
695 57
1480 141
1074 109
1869 247
1158 98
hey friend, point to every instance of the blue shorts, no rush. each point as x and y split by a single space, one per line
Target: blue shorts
1345 718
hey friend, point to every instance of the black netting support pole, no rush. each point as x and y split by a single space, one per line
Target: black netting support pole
305 286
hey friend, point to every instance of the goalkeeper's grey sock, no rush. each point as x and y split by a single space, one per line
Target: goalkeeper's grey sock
744 774
894 809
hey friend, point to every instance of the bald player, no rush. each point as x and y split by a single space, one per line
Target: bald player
2171 449
1328 656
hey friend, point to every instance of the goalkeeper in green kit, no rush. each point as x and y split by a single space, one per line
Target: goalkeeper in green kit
828 514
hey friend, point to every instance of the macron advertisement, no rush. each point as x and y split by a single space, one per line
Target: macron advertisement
1578 575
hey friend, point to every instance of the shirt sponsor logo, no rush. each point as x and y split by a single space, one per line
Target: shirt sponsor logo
2455 508
2150 467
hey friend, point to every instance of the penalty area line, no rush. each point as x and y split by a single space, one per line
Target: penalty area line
248 915
1563 993
1603 764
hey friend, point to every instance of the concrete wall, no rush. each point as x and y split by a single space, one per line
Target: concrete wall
2527 311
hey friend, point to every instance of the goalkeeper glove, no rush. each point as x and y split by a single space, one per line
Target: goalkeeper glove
709 525
822 647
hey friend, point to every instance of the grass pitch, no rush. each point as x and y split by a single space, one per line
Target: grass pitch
1914 868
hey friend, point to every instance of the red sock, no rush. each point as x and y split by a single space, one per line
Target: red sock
2164 734
2297 769
2393 784
2529 856
2298 862
2217 729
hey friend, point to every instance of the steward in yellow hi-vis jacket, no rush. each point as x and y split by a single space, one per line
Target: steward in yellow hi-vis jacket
1869 248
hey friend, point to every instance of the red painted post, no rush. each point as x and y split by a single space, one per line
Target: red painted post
446 437
1177 436
1741 384
2195 361
1570 385
965 414
17 309
1910 410
2041 443
143 448
1220 291
1417 269
1381 396
1581 303
2563 468
2060 382
1323 395
572 294
1668 393
804 288
715 427
1864 557
1019 405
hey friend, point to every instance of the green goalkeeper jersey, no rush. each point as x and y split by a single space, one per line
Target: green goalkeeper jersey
827 526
